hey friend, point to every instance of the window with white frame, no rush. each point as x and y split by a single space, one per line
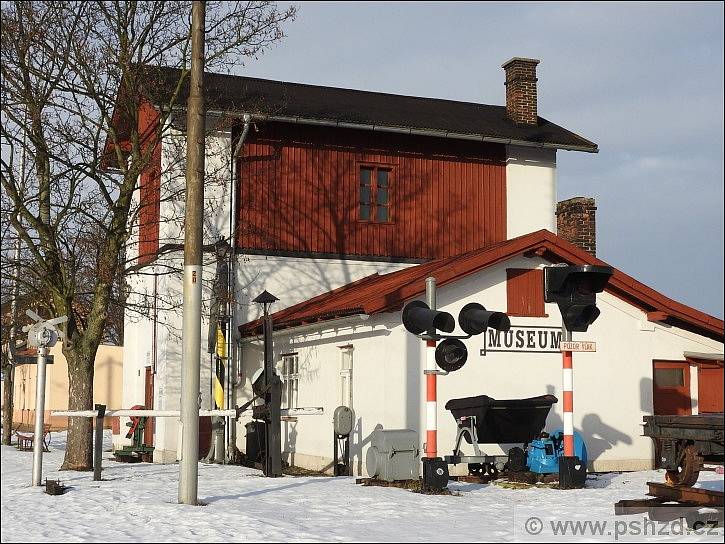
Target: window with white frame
346 376
290 380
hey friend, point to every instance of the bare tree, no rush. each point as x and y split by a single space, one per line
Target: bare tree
76 79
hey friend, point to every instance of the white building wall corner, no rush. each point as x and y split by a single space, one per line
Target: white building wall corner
137 348
530 190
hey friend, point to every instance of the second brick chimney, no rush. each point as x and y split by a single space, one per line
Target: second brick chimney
575 222
521 97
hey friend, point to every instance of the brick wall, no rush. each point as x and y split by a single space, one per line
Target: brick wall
576 223
521 94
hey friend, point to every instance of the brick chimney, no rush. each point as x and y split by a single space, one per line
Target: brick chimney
575 222
521 97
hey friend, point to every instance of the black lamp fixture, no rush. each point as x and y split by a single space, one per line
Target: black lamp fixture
266 299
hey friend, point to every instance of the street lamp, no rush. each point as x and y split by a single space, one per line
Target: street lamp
266 299
272 387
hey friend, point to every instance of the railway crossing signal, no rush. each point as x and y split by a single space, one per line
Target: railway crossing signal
574 289
474 319
423 320
418 318
451 354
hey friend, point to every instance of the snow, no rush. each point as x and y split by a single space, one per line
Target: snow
138 502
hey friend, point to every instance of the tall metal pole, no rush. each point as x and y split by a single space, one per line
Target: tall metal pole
39 417
191 332
431 379
568 392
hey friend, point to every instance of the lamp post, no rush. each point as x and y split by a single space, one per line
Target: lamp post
273 394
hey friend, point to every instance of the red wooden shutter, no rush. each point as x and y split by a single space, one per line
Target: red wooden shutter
525 292
149 215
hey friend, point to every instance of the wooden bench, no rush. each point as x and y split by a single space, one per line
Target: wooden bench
25 441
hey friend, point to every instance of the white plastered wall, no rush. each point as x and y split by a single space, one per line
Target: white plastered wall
530 190
296 279
612 387
137 348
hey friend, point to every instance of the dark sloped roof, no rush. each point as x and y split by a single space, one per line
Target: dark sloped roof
348 106
376 293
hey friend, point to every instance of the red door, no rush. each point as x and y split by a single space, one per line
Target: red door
710 388
671 388
148 402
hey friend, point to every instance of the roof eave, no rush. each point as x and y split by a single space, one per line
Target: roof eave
297 328
402 130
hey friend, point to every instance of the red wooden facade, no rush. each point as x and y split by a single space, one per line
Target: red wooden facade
299 193
149 189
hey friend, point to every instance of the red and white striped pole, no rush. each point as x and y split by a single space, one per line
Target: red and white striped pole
431 377
431 401
568 390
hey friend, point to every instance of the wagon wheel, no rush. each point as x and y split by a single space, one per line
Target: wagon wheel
688 470
476 469
492 470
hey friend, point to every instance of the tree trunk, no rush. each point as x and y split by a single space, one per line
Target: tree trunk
8 390
79 449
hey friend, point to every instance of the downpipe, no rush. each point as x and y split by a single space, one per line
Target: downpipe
232 334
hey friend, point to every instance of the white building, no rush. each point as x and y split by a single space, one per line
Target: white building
350 348
333 185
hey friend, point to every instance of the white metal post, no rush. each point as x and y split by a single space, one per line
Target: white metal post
39 417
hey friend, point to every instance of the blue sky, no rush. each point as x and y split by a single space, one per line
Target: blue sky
644 81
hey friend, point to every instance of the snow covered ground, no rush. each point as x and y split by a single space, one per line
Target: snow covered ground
139 503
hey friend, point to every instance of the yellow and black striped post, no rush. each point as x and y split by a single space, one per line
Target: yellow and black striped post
218 393
220 368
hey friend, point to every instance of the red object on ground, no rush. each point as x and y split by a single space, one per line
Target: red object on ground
134 420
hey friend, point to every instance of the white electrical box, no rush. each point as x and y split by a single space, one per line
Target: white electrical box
343 420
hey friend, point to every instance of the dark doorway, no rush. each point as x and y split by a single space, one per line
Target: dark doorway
204 435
